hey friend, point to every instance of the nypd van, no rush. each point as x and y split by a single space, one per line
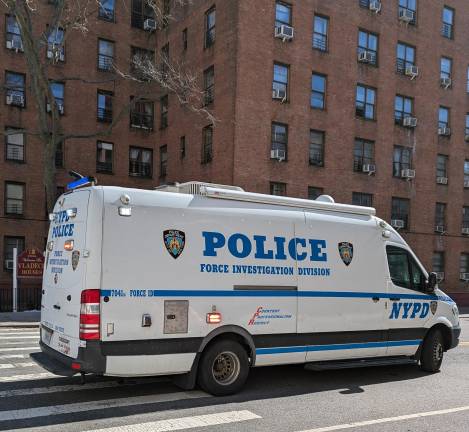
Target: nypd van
205 281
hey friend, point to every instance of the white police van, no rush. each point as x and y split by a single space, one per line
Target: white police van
206 281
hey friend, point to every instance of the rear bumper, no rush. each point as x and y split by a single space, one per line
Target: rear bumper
89 360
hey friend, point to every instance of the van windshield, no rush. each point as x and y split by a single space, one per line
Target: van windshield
403 269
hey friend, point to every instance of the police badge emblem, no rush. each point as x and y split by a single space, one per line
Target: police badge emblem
75 259
433 306
346 252
174 240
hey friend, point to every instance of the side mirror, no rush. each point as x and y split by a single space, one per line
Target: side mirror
431 283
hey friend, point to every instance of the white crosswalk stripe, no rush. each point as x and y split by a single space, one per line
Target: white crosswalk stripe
21 342
26 377
19 337
23 348
13 356
52 410
12 366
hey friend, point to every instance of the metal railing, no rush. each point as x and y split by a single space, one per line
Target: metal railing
320 42
105 115
29 298
105 62
140 169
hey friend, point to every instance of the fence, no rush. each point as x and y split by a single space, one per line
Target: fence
29 298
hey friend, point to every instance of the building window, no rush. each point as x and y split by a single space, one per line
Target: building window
318 91
104 157
467 127
405 57
465 217
209 85
320 30
442 166
59 155
139 63
363 154
163 161
446 65
13 34
314 192
140 162
403 107
410 7
467 81
279 138
210 19
400 210
106 10
164 112
15 89
105 106
368 43
105 55
316 148
402 159
57 90
283 14
279 189
365 102
165 58
207 144
280 81
464 263
14 145
364 3
440 216
443 117
438 262
466 171
362 199
14 198
447 28
182 147
184 39
141 11
55 45
9 243
141 115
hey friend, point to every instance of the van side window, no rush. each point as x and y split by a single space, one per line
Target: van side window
404 270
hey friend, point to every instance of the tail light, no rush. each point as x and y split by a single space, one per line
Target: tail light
90 314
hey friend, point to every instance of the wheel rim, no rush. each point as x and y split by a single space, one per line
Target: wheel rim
225 368
438 351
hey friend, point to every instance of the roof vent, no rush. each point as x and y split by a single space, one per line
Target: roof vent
325 198
193 187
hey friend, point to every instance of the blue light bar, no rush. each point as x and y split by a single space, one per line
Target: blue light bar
80 182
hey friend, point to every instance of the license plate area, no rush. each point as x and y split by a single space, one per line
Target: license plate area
46 334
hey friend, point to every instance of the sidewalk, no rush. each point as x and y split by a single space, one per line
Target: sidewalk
20 319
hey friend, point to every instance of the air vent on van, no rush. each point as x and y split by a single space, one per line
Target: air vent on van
193 188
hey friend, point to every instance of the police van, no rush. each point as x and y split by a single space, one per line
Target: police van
205 281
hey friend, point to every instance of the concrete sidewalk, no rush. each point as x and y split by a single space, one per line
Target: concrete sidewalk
20 319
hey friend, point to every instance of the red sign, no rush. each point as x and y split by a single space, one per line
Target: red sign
30 264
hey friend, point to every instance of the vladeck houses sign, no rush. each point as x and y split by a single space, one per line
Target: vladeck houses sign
30 264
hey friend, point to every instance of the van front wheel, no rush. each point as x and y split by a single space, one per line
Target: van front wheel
432 352
223 368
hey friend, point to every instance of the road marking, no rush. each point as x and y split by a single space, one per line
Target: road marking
182 423
13 356
19 337
27 377
22 342
26 348
6 366
388 420
97 405
77 387
25 333
464 343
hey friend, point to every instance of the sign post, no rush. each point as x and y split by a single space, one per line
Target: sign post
15 280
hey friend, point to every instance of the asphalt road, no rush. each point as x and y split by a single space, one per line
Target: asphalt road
397 398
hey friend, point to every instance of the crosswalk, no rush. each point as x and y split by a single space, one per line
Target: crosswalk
33 399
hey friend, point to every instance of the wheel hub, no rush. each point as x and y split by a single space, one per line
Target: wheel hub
225 368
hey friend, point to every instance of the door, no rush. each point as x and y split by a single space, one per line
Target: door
409 307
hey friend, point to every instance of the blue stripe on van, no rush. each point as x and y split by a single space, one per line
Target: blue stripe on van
335 347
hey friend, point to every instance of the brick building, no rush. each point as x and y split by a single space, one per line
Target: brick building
367 101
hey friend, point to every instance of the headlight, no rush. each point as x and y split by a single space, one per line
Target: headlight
455 311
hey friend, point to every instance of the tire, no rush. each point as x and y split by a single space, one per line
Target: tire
223 368
432 351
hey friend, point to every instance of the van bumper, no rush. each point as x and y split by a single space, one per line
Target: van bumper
455 333
89 360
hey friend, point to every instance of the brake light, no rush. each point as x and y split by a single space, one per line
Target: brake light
90 314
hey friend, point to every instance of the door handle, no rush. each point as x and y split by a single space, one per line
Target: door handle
57 307
375 299
394 298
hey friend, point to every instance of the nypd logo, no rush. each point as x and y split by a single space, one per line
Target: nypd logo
346 252
174 240
409 310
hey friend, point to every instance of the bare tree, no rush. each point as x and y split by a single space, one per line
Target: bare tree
146 70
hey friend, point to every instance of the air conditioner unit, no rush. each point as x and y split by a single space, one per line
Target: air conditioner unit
369 168
284 32
445 82
375 6
464 276
466 184
9 264
408 174
277 154
365 57
279 94
149 24
440 276
9 44
410 122
444 131
465 231
442 180
439 229
412 71
406 15
15 99
397 223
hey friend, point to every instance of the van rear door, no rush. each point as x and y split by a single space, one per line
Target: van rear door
64 273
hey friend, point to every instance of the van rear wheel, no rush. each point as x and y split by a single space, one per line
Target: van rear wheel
223 368
432 351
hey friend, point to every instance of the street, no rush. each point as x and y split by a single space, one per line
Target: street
289 398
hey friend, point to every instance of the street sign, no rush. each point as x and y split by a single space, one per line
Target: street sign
30 264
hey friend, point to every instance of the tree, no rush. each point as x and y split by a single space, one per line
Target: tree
147 70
